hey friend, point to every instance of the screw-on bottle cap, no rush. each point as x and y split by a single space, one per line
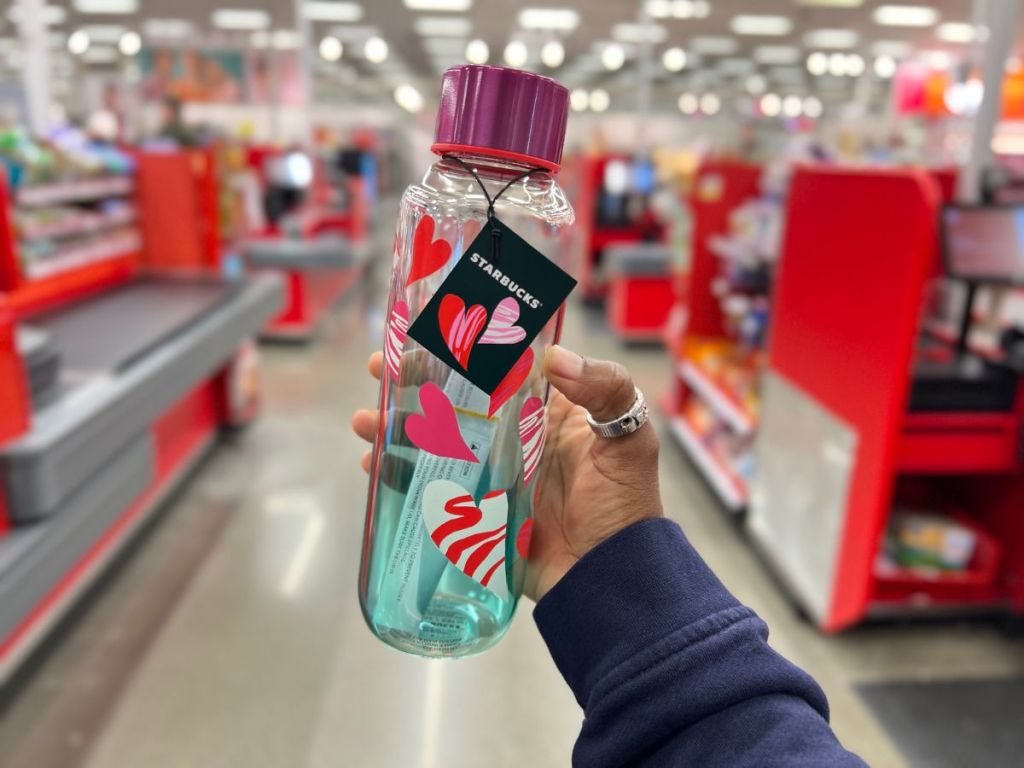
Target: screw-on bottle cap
502 112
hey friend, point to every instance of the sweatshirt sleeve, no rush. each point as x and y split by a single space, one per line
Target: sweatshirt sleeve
671 670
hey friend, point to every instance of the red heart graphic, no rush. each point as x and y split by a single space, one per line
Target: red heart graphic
523 538
428 254
437 430
460 327
510 384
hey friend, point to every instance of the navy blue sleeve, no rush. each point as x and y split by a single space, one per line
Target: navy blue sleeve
671 670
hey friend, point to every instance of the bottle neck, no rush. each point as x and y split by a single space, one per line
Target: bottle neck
491 166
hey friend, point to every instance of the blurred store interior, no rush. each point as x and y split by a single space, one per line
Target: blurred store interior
798 223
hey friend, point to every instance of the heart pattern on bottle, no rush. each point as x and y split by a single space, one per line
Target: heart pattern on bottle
436 430
428 254
471 536
503 329
510 384
531 435
394 338
460 327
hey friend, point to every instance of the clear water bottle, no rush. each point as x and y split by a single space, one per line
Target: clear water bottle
455 467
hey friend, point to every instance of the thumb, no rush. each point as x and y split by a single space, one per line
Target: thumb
602 387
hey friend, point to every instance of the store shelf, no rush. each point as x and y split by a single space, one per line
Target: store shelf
78 256
85 224
82 191
722 402
730 490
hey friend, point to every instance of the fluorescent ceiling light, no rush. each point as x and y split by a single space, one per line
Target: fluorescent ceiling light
167 27
777 54
658 9
240 18
885 67
831 38
771 105
438 5
318 10
106 6
53 15
817 63
408 98
78 42
792 106
100 55
557 19
688 104
355 34
710 104
285 39
579 99
104 33
855 65
552 54
831 3
639 33
898 49
761 25
477 52
957 32
905 15
516 53
714 46
443 26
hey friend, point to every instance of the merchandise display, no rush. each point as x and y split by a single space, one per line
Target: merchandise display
474 302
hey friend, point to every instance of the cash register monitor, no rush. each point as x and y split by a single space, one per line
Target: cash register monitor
984 245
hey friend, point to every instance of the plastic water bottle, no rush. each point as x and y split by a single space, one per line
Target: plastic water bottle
455 465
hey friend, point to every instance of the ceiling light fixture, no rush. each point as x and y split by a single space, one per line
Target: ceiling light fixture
321 10
438 5
78 42
710 104
549 19
688 104
106 6
578 100
552 54
599 100
477 52
817 63
331 49
408 98
443 26
905 16
749 24
53 15
837 65
130 44
674 59
957 32
885 67
855 65
376 50
831 38
240 19
770 104
658 9
639 33
813 107
516 53
792 106
613 56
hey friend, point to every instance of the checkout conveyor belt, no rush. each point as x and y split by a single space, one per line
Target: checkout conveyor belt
126 357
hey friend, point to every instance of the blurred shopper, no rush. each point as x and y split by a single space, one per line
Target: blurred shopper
669 667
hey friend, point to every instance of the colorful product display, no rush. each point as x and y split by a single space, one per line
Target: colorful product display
476 295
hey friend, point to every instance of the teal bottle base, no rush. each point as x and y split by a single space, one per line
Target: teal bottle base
452 627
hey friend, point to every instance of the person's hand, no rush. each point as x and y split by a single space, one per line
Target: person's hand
590 488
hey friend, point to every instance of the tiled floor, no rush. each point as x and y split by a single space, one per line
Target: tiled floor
231 636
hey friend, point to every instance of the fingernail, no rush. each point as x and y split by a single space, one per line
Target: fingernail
562 362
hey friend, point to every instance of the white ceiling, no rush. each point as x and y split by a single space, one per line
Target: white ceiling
496 22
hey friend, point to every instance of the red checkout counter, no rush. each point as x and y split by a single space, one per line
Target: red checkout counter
870 408
123 355
314 241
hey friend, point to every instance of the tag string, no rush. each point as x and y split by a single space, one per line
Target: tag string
492 220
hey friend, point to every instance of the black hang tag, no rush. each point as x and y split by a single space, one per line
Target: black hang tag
490 308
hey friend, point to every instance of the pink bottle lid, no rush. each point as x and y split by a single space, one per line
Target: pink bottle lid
506 113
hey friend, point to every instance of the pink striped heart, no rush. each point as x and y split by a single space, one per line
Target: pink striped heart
531 435
394 337
460 327
471 536
503 329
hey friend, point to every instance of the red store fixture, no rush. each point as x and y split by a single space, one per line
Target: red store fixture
123 355
708 416
839 446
